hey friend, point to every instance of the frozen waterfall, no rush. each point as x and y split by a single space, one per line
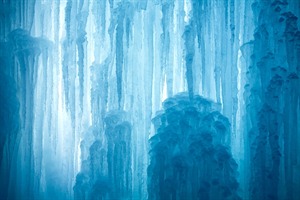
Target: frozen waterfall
150 99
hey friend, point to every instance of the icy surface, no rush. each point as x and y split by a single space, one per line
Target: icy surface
81 82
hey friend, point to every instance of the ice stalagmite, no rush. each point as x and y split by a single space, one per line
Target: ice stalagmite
106 172
189 154
118 133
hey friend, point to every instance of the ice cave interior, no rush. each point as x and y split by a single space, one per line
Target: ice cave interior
149 99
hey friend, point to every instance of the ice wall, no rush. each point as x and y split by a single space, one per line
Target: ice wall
272 103
66 65
10 120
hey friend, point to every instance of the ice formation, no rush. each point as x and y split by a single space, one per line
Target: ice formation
106 168
189 154
82 81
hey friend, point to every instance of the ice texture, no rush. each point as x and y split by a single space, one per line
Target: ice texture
81 82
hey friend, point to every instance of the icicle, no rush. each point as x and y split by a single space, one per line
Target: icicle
167 26
234 27
112 24
100 27
128 22
81 43
120 51
199 19
189 38
65 64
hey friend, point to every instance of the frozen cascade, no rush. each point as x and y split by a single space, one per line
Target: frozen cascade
82 81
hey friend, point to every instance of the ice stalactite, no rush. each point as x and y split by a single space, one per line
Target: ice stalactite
167 8
99 26
189 37
120 50
69 58
197 14
234 42
122 23
100 67
73 61
81 42
216 52
65 65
